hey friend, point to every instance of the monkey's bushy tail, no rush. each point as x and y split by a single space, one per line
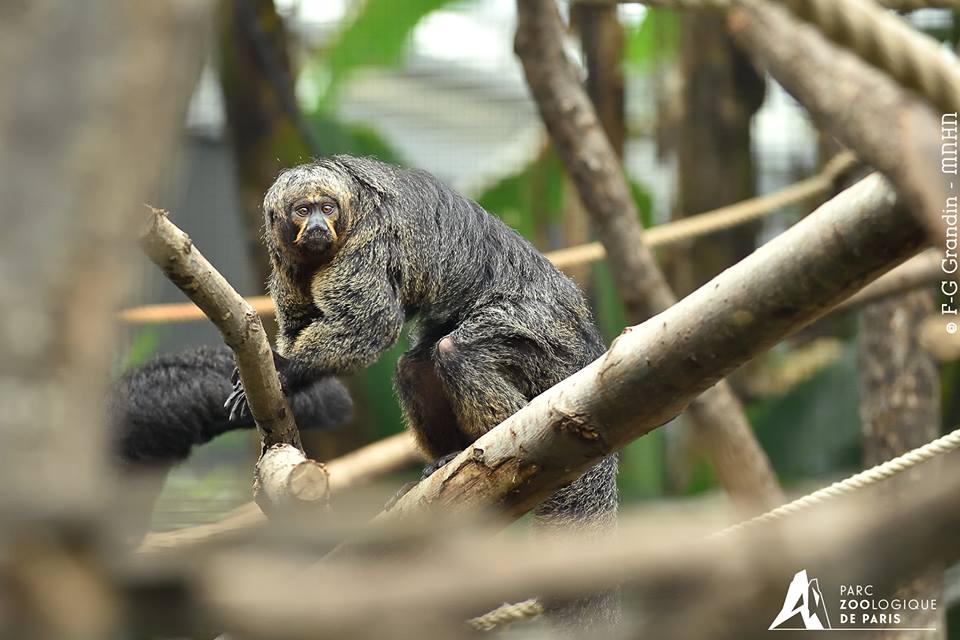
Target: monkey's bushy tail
588 506
159 410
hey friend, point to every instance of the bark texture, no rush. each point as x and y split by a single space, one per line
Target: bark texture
900 411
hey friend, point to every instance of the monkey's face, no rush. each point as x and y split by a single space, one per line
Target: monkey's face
307 214
311 227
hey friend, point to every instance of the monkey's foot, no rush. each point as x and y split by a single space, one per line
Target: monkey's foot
402 491
437 464
428 471
236 403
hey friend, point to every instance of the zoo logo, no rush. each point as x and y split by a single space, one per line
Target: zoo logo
805 598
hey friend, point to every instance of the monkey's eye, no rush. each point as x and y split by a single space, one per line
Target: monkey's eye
302 212
327 208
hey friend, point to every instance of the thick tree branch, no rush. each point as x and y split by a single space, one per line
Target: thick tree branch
652 371
920 271
740 463
886 126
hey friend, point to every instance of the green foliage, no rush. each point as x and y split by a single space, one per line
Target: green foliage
143 344
354 139
377 37
815 428
642 467
530 200
380 403
655 41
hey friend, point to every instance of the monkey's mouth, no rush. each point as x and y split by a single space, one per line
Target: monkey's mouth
314 244
314 240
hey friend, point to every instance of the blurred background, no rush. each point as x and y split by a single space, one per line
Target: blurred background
434 84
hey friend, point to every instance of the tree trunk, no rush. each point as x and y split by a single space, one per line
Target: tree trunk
899 411
721 93
266 129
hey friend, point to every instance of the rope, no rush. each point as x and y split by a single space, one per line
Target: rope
529 609
722 5
864 479
884 40
505 614
661 235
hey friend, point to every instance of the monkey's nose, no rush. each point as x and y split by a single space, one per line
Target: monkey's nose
314 223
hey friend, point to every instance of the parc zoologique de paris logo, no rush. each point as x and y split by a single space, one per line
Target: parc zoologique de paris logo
850 607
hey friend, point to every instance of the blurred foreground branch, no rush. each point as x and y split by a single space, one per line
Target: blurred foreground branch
92 99
346 472
862 538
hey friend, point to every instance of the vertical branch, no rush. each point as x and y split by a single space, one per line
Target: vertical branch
173 251
268 132
590 160
899 411
721 92
601 39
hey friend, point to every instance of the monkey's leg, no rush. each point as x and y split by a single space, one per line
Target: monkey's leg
427 411
481 371
425 405
473 373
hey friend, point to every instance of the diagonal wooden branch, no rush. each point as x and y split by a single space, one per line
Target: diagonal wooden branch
741 465
866 110
652 371
284 475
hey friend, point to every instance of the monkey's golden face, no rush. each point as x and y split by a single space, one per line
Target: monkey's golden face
307 213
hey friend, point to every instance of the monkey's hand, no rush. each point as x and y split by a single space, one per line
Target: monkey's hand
428 471
236 403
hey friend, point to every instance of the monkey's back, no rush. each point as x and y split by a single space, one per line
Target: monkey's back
478 268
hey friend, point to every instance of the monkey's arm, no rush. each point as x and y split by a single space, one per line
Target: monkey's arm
355 325
355 316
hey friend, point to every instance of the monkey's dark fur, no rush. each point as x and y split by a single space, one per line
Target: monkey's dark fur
158 411
358 246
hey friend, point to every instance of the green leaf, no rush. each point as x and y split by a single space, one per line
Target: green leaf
655 41
814 429
377 37
354 139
